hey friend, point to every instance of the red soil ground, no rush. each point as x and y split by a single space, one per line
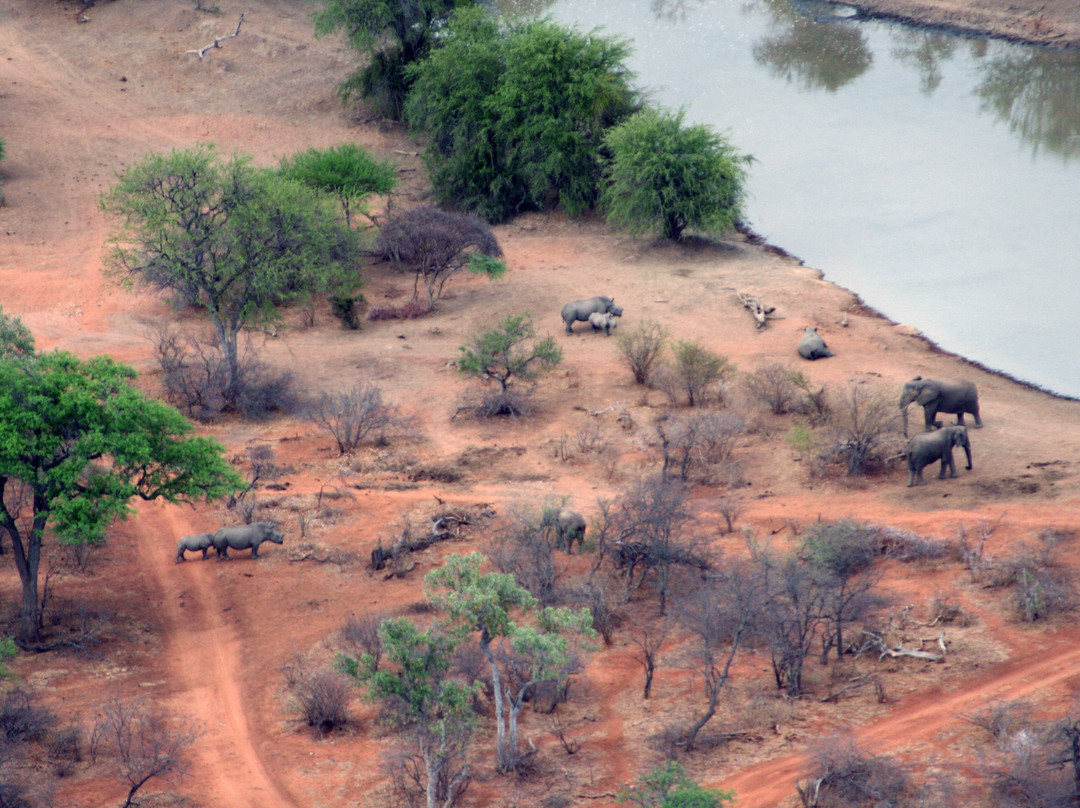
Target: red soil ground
208 642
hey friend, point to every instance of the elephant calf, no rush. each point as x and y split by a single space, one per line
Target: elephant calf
927 447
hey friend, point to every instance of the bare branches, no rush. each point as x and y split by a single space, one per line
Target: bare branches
201 52
761 314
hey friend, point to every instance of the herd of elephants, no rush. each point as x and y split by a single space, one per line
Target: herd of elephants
935 444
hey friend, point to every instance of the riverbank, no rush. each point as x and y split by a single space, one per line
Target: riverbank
1055 23
215 644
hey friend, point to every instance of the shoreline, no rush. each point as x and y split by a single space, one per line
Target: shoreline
1042 25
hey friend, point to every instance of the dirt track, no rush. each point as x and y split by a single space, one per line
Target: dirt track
80 101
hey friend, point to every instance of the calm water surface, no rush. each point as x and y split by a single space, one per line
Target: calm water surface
937 176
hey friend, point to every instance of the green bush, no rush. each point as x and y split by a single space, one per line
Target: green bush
515 115
665 177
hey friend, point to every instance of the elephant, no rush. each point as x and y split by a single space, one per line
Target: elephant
603 321
569 527
194 542
240 537
938 396
581 309
812 346
926 447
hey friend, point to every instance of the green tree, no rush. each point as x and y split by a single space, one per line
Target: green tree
346 172
435 708
16 341
671 787
664 176
504 352
515 115
77 443
387 36
483 603
226 236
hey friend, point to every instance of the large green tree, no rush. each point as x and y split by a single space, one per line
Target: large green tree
483 604
515 115
345 172
662 176
388 35
77 443
234 239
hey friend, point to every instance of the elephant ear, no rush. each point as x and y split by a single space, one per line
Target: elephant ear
927 394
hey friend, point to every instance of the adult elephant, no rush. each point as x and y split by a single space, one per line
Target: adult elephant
928 447
241 537
937 396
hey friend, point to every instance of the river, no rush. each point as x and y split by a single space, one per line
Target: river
938 176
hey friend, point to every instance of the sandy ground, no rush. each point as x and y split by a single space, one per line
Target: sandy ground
209 642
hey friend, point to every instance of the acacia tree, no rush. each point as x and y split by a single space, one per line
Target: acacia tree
664 176
233 239
436 243
431 704
346 172
482 604
77 443
388 36
505 353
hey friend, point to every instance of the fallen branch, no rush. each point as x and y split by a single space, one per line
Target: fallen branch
218 40
878 643
757 308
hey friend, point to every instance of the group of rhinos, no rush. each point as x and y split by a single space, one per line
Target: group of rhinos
236 537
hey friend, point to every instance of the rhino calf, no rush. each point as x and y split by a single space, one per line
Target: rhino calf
194 542
241 537
603 321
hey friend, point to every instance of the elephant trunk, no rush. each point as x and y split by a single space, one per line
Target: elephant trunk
903 413
967 451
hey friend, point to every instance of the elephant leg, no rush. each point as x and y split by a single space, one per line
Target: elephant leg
975 415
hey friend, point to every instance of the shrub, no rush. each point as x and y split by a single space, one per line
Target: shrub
22 719
436 243
695 372
779 387
642 348
843 776
324 697
353 416
863 429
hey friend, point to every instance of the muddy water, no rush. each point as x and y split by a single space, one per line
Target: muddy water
937 176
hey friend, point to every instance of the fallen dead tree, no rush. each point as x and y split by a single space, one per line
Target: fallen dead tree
443 527
758 309
875 642
201 52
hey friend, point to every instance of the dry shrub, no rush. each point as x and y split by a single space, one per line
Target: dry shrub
641 348
863 429
413 310
323 697
359 635
354 416
781 388
843 776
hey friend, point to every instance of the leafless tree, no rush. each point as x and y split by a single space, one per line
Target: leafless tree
146 744
863 428
649 638
359 635
354 416
843 776
840 556
642 347
701 440
435 244
721 616
792 616
648 520
521 549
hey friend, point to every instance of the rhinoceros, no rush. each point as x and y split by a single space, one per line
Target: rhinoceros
194 543
240 537
581 309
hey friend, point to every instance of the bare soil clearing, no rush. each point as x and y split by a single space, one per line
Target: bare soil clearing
209 641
